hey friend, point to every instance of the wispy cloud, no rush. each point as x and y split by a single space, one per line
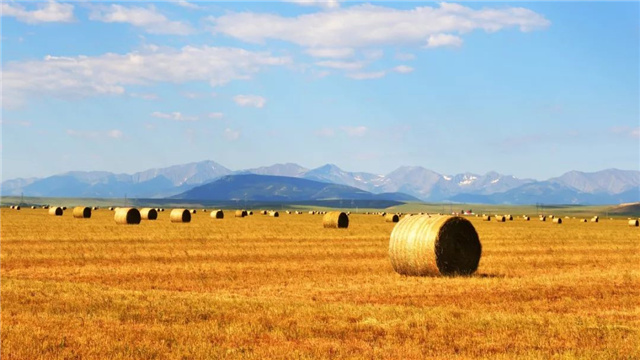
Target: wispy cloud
367 75
250 100
336 53
439 40
329 4
354 131
231 134
403 69
23 123
175 116
341 65
93 135
147 18
215 115
188 5
47 12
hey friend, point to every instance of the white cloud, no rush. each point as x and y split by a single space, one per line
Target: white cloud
80 76
626 131
215 115
438 40
147 18
335 53
325 132
403 69
175 116
354 131
405 56
144 96
93 135
329 4
231 135
250 100
188 5
342 65
48 12
366 25
23 123
367 75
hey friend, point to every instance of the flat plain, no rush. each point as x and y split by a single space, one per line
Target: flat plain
286 288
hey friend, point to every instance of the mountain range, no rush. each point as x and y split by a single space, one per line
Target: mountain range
574 187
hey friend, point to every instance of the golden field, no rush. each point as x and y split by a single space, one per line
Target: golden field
286 288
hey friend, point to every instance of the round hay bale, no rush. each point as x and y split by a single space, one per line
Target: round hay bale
180 216
148 214
33 207
633 222
509 217
274 214
64 208
551 217
263 212
217 214
95 208
583 220
486 217
392 218
127 216
335 219
543 218
12 207
500 218
240 213
288 212
595 219
557 220
45 206
526 218
111 208
312 212
439 245
17 207
193 211
250 212
55 211
82 212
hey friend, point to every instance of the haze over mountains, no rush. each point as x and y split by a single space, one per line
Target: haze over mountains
602 187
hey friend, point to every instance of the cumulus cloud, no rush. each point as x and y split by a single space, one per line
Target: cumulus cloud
329 4
188 5
231 134
175 116
47 12
438 40
367 75
403 69
147 18
342 65
354 131
335 53
250 100
367 25
80 76
93 135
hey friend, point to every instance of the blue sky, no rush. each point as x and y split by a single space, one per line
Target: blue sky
527 89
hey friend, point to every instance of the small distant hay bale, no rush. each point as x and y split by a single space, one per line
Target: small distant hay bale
33 207
193 211
391 218
509 217
148 214
127 216
557 220
240 213
161 209
217 214
180 216
56 211
543 218
82 212
17 207
526 218
486 217
383 214
633 222
64 208
500 218
263 212
274 214
312 212
95 208
583 220
204 210
45 206
111 208
250 212
551 217
439 245
288 212
335 219
595 219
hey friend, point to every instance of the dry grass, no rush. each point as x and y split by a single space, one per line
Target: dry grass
260 287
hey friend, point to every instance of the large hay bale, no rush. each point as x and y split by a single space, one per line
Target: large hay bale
486 217
148 214
180 216
55 211
81 212
240 213
439 245
500 218
274 214
557 220
633 222
217 214
335 219
392 218
127 216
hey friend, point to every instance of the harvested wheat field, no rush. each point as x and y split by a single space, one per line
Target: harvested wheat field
265 288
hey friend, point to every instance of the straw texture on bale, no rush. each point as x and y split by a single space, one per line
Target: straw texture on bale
392 218
81 212
55 210
180 216
486 217
217 214
335 219
274 214
240 213
633 223
149 213
130 216
439 245
557 220
500 218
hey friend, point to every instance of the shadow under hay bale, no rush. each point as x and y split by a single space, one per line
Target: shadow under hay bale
439 245
127 216
335 220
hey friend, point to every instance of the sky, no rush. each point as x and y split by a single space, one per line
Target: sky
526 89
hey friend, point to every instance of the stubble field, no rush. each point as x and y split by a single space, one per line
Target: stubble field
271 288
